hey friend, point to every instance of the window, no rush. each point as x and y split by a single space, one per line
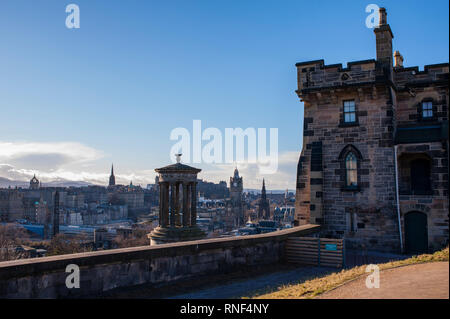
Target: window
349 112
351 170
351 221
427 110
350 161
420 176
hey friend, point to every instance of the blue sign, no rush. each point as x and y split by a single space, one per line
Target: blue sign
332 247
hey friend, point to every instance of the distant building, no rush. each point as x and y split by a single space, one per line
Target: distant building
55 220
112 178
11 205
236 199
34 183
264 207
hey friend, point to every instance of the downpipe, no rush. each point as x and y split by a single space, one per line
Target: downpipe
398 199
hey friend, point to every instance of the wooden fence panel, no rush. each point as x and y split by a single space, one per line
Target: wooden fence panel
324 252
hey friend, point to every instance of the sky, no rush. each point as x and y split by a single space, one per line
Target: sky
73 101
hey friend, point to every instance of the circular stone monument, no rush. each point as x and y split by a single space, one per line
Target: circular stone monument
177 205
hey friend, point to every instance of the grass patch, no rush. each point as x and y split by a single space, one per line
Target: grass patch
317 286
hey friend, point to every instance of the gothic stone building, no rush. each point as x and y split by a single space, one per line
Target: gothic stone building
236 203
374 163
264 206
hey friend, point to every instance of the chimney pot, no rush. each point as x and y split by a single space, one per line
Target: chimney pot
398 60
383 16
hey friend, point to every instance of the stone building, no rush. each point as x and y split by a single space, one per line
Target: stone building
374 163
34 183
112 178
11 205
236 203
264 206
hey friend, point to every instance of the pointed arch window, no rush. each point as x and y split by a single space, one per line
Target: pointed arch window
351 170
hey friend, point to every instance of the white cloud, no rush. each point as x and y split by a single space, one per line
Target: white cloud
284 177
46 155
71 161
19 174
21 160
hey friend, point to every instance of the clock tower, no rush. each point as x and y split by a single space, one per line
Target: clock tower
236 194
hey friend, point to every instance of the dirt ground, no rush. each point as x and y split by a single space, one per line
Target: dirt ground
421 281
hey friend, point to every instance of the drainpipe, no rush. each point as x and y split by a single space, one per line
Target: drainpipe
398 199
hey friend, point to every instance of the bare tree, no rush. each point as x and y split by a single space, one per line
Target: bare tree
11 237
138 237
62 244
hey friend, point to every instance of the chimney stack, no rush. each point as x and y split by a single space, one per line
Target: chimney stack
383 16
398 60
384 36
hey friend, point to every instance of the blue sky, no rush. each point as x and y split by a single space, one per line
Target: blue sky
73 101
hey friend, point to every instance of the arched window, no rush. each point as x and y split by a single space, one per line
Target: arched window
350 160
351 170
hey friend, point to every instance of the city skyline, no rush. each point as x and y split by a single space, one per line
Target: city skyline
75 101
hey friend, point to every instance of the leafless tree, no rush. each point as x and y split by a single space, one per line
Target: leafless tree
62 244
138 237
10 238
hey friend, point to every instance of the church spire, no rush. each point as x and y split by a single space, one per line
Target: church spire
112 178
264 206
236 173
263 191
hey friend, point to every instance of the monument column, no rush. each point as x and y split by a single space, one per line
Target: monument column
164 204
161 210
186 215
172 227
172 204
177 204
193 203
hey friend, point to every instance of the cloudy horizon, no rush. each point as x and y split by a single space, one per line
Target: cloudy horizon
76 162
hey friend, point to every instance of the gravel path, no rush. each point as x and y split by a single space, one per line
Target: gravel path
272 281
421 281
266 283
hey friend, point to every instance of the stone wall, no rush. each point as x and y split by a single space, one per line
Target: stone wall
388 115
106 270
322 197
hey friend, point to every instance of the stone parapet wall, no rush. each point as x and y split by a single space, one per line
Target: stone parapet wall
119 268
411 76
315 75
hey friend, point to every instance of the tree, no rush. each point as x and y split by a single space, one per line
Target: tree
138 237
11 236
62 244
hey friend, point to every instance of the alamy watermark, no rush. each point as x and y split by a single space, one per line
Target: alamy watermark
236 145
73 280
73 19
373 19
373 280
